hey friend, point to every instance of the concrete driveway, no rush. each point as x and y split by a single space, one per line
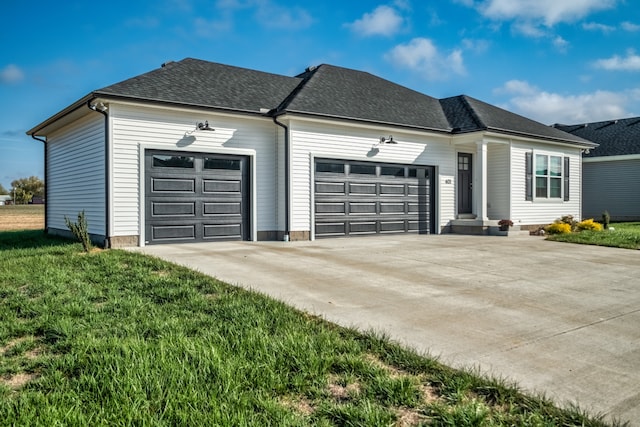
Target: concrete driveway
557 318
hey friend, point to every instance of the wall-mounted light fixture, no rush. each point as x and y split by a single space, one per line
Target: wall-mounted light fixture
389 140
200 126
383 141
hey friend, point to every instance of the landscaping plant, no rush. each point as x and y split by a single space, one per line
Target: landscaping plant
80 230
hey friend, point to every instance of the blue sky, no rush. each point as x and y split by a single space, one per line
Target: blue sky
556 61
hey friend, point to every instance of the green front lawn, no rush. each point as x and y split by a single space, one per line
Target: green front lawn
119 338
624 235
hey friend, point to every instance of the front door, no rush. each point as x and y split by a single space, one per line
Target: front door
465 183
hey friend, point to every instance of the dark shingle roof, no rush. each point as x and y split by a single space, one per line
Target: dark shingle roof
202 83
616 137
326 90
345 93
468 114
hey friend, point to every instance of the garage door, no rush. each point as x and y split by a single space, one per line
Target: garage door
195 197
357 198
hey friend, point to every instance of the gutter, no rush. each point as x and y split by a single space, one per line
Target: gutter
107 150
287 177
46 180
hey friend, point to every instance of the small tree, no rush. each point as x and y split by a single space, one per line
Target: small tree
3 190
606 218
80 229
25 188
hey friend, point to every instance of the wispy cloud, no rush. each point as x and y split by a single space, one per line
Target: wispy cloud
630 26
280 17
11 74
595 26
548 107
383 21
422 56
618 63
547 12
561 44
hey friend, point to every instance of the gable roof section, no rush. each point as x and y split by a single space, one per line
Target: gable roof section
616 137
468 114
195 82
350 94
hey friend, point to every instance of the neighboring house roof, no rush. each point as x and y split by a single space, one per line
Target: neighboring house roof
325 91
616 137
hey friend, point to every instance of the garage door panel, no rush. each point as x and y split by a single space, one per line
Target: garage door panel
173 232
221 186
363 227
192 197
222 231
363 189
330 208
222 208
363 208
159 209
330 188
392 226
380 198
392 189
181 185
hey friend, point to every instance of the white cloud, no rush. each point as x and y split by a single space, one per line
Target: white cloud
477 46
617 63
273 16
549 107
384 21
594 26
11 74
549 12
630 26
422 56
560 44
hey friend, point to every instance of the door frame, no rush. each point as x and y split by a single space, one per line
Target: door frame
461 192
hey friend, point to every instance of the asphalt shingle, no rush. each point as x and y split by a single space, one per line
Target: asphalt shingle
616 137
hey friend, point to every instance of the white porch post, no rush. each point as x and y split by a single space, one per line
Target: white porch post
480 180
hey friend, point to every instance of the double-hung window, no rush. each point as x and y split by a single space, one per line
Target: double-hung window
550 177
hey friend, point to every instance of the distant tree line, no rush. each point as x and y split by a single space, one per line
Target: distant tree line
23 190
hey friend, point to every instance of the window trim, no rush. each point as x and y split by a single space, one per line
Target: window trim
532 177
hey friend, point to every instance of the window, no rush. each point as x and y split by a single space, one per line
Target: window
166 161
228 164
392 171
330 167
363 169
551 176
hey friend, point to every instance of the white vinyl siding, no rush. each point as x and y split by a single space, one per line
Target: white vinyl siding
318 140
613 186
542 211
135 126
498 181
76 174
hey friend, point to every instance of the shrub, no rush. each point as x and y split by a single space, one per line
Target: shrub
605 219
589 224
568 219
80 229
558 228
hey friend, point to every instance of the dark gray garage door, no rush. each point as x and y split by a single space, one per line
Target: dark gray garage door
356 198
194 197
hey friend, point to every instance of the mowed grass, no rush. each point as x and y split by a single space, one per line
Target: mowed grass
625 235
119 338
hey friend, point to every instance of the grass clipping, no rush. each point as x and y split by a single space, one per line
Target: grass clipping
80 230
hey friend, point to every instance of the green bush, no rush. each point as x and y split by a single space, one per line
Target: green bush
80 229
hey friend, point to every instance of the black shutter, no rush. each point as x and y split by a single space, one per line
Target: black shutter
566 179
529 176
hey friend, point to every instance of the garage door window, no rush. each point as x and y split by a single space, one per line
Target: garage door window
165 161
363 169
392 171
225 164
330 167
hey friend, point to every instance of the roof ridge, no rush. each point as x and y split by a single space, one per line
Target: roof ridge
305 76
